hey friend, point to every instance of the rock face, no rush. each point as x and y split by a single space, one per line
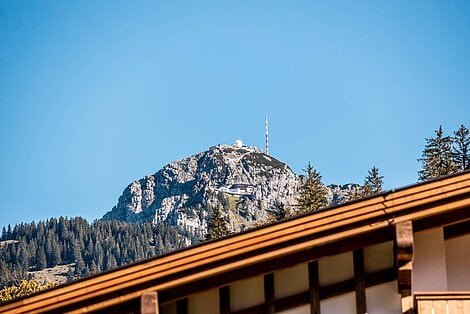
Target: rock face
249 186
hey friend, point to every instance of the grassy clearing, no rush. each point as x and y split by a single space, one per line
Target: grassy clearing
55 274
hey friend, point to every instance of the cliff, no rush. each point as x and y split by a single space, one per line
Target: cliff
249 186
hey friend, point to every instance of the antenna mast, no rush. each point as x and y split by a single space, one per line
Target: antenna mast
267 138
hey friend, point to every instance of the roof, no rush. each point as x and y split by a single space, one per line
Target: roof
264 249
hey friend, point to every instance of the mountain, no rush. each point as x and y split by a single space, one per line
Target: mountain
248 185
172 208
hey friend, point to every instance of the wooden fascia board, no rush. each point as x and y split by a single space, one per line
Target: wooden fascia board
442 295
177 262
394 204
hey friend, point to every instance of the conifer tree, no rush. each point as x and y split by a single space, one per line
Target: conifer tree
437 159
111 262
373 183
312 191
159 244
93 268
5 273
281 212
356 194
216 227
23 255
461 147
41 258
4 233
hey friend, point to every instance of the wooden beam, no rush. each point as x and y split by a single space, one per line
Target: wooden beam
269 293
257 309
224 300
292 301
149 303
359 281
314 287
370 238
442 219
332 290
404 255
404 242
457 230
404 279
132 306
182 306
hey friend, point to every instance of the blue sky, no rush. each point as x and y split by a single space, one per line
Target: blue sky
96 94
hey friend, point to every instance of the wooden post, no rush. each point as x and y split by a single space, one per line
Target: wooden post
224 300
269 293
404 242
182 306
314 287
149 303
359 281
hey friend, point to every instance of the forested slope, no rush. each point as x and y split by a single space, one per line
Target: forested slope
89 247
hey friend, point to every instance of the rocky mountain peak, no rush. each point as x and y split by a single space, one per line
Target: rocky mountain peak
248 185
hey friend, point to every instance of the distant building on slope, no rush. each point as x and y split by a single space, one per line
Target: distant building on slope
238 189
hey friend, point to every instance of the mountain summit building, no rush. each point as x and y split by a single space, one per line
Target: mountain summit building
403 251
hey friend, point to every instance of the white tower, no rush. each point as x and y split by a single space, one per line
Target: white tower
267 138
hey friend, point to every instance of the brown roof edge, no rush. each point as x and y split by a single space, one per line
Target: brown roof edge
405 203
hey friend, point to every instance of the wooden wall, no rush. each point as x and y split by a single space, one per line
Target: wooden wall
363 280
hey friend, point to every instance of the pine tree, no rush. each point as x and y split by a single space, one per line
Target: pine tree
23 255
78 258
373 183
111 262
93 268
159 244
461 147
281 212
356 194
217 226
437 159
41 258
8 236
312 191
5 273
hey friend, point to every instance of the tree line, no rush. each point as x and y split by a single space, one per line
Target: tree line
90 247
442 155
445 154
312 194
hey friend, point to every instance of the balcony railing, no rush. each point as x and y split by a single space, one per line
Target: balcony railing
442 302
